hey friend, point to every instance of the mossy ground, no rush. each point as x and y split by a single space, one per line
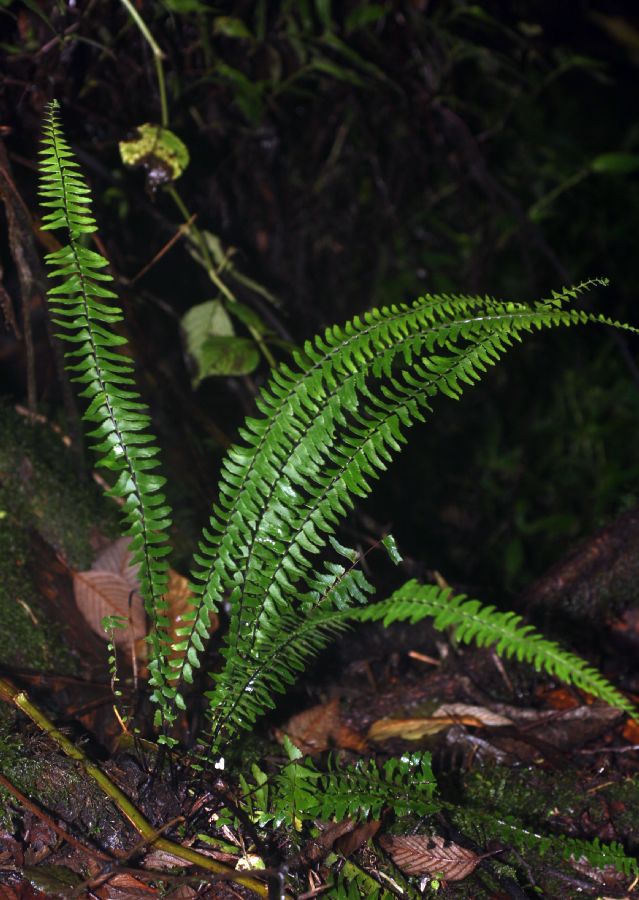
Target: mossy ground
55 783
41 493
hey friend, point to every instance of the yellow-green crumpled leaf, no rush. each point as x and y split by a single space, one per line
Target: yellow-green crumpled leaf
159 151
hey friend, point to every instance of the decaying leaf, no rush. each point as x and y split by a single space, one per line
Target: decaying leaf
123 886
178 598
52 880
485 716
423 854
110 588
354 840
159 151
414 729
443 717
319 728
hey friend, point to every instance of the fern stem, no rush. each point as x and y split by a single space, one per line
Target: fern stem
213 274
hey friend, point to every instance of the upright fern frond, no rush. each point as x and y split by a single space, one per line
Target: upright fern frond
488 627
330 424
86 310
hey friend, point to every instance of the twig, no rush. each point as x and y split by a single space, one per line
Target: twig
158 256
11 694
107 871
629 749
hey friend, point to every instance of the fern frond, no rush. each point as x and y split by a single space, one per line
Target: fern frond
329 426
404 784
300 791
526 839
85 308
486 626
245 687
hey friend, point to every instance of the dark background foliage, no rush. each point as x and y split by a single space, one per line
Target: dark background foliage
358 154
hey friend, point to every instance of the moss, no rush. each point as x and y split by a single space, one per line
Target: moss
55 783
40 487
539 811
40 492
28 638
542 796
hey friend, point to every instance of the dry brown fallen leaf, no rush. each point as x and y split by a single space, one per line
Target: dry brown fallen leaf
319 728
350 843
443 717
110 588
123 886
423 854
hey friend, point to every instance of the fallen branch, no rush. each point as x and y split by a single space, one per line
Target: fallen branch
10 694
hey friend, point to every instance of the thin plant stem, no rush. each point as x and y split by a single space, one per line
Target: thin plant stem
158 56
213 273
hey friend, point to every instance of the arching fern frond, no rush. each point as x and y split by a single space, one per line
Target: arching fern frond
329 426
486 626
246 685
85 308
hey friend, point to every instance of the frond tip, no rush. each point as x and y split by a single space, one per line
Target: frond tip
486 626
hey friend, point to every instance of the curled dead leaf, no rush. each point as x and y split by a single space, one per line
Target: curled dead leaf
319 728
110 588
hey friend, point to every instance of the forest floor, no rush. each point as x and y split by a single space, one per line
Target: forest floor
508 746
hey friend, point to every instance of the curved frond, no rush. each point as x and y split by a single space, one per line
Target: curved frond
329 426
486 626
85 308
245 687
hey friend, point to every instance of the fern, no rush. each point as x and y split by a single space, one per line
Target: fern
515 833
328 428
84 307
301 792
487 626
329 424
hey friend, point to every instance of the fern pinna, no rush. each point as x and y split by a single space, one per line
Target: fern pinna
84 308
486 626
329 423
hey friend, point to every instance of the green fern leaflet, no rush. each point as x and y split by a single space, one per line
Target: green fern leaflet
486 626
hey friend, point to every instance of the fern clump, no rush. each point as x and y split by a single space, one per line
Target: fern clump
403 785
329 423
